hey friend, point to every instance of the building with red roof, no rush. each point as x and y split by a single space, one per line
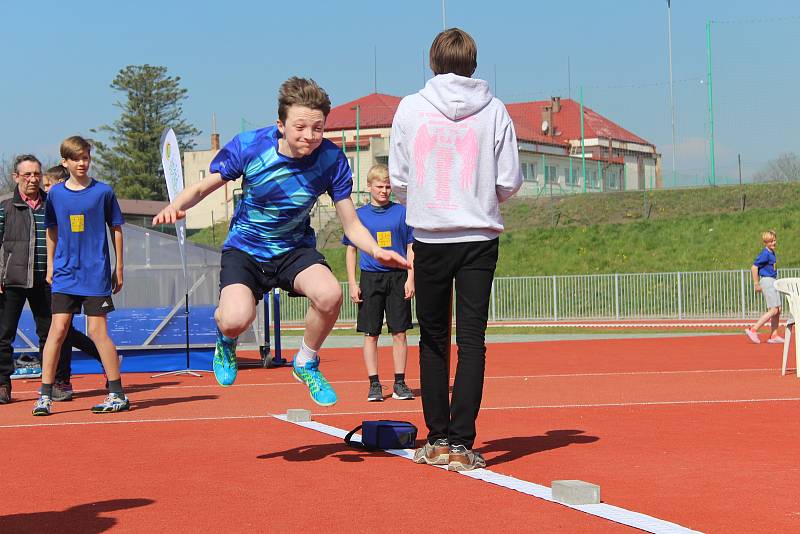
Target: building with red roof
552 156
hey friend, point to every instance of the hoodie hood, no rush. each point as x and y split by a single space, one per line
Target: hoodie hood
455 96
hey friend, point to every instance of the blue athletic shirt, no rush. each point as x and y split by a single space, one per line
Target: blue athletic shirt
388 227
278 192
81 264
765 262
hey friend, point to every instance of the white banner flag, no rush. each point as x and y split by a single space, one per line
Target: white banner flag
173 173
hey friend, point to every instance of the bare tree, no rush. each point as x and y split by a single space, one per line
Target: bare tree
6 170
785 168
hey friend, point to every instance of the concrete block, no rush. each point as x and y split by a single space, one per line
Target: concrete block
575 492
298 415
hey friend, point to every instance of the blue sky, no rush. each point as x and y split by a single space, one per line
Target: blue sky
59 59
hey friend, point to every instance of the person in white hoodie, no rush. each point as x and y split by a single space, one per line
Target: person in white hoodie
453 159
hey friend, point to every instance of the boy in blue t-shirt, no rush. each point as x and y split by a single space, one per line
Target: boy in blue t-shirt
764 275
284 169
79 269
383 289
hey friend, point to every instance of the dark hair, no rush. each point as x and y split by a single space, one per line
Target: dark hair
59 172
302 92
454 51
25 157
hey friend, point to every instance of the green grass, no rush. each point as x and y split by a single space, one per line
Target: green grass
701 229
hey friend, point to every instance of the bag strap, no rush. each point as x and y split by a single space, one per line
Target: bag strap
348 438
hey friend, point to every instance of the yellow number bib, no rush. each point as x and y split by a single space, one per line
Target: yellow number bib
384 239
76 222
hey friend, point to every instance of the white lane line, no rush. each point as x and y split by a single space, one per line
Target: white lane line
605 511
33 394
385 412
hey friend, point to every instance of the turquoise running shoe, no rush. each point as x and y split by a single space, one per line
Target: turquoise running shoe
321 392
225 360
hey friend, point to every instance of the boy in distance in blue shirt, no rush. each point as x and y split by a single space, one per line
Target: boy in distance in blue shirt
79 269
764 275
284 168
383 289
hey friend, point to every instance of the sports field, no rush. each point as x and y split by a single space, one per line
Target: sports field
682 433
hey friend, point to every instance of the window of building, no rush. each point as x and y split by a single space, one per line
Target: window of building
533 172
524 168
571 179
350 162
383 160
550 174
611 180
592 176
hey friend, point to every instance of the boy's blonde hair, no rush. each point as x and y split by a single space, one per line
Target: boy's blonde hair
74 146
769 235
379 173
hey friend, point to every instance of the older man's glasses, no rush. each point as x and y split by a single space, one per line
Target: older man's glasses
30 175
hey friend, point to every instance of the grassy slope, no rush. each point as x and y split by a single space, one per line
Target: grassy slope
688 230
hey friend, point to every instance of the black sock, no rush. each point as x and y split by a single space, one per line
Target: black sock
399 377
373 379
47 389
115 386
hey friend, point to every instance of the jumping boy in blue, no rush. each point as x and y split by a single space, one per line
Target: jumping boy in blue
383 289
284 169
79 270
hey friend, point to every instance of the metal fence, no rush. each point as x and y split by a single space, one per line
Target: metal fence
678 295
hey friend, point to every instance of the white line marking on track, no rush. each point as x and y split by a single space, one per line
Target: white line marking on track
385 412
33 394
603 510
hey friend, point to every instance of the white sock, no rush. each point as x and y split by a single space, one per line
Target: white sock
304 355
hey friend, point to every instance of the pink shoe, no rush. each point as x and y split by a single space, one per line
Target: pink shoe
776 340
752 336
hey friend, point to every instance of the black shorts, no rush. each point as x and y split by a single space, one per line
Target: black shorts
92 306
383 292
238 267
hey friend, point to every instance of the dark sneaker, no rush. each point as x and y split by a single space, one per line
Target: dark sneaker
62 391
402 392
5 393
464 459
42 406
224 364
375 392
113 403
318 387
436 454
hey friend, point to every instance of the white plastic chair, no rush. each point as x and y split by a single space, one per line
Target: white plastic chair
791 288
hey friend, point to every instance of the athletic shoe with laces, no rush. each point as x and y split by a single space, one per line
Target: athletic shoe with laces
62 391
114 402
752 336
402 392
318 387
775 340
464 459
225 360
437 453
42 406
27 366
375 392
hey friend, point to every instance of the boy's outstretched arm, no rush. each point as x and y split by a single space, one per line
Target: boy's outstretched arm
188 198
116 276
361 237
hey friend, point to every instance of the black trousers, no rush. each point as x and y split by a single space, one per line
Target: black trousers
38 298
471 265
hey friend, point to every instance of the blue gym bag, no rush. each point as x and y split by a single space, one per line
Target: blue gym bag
384 434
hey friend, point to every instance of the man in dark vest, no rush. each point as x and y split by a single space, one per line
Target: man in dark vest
22 275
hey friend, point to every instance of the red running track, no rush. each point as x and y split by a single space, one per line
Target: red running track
699 431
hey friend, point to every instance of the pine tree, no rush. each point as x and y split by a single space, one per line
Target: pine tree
131 160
